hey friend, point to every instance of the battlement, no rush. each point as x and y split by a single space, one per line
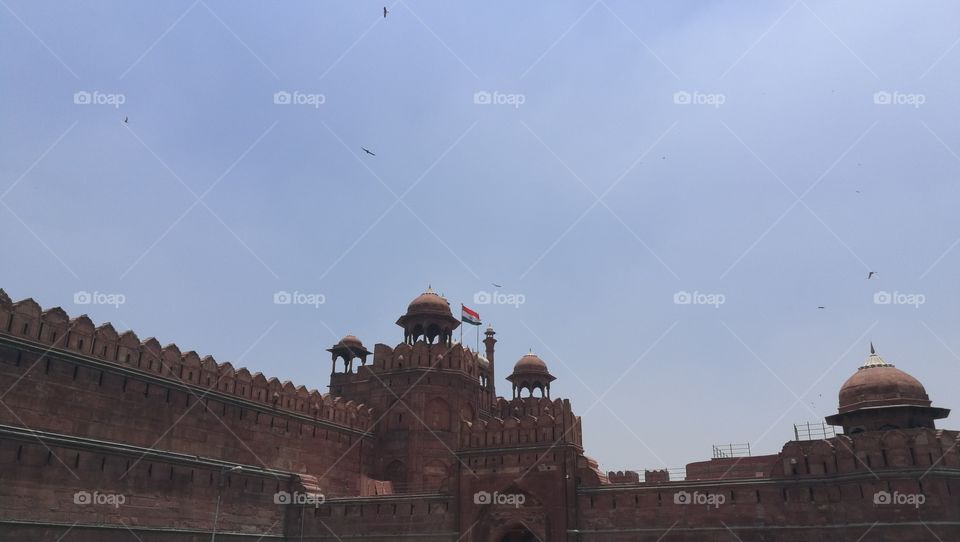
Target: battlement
54 329
523 422
843 454
424 356
624 477
532 406
900 448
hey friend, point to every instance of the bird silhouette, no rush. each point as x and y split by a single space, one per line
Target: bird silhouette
495 285
125 119
871 274
385 11
366 150
821 307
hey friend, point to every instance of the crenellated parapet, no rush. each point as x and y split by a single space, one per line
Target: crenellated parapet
534 406
53 328
523 422
623 477
419 355
906 448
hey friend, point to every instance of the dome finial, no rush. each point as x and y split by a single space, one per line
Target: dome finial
874 360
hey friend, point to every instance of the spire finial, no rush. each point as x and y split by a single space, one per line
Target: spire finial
874 360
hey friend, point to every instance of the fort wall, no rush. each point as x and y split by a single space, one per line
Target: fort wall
65 376
824 489
53 484
408 447
388 519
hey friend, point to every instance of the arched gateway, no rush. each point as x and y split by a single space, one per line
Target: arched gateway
517 533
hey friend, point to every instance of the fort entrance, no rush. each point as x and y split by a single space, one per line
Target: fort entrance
518 533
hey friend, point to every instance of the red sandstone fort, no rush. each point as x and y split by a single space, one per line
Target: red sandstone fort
107 437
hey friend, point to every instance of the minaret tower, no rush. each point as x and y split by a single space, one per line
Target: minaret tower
489 341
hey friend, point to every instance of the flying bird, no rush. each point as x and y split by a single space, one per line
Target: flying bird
366 150
871 274
385 12
125 119
821 307
495 285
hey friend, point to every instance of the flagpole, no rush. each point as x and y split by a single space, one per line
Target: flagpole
478 338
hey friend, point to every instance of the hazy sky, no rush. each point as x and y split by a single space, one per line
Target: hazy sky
588 188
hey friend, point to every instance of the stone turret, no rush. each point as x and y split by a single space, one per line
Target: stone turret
428 317
881 397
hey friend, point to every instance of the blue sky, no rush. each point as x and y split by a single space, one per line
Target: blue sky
589 189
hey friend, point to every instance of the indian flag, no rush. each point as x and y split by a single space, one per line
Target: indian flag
469 316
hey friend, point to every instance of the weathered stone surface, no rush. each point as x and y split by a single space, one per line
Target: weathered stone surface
104 435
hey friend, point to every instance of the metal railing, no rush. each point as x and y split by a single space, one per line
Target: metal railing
813 431
723 451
